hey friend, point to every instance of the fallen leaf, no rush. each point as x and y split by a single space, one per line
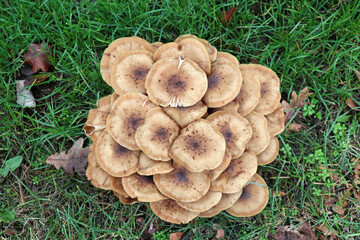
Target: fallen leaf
37 57
352 104
175 236
304 232
24 96
326 231
74 160
278 193
220 234
295 127
35 79
296 102
227 15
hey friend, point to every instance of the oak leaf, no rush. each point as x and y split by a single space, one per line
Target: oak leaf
37 57
227 15
74 160
296 102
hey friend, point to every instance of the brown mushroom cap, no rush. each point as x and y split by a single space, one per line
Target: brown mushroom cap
235 129
270 153
269 87
114 96
156 45
118 48
253 199
99 178
185 115
128 113
260 138
176 82
199 147
224 84
187 48
225 57
155 136
226 201
232 106
203 204
115 159
148 166
116 186
128 72
215 173
235 177
96 120
249 95
183 185
168 210
142 188
125 199
276 121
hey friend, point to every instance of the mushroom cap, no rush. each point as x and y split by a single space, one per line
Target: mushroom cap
169 211
260 138
224 84
226 201
270 153
215 173
253 199
118 48
232 106
99 178
238 173
235 129
199 147
176 82
114 96
203 204
185 115
187 48
116 186
125 199
249 95
96 120
148 166
183 185
276 121
225 57
269 87
155 136
156 45
142 188
128 113
115 159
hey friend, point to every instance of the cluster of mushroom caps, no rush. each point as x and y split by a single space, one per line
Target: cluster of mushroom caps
185 129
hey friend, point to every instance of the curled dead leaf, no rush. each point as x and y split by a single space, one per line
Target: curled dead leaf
37 57
352 104
296 102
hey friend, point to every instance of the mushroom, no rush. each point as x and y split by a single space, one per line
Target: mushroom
225 57
116 186
148 166
203 204
215 173
260 138
270 153
276 121
253 199
226 201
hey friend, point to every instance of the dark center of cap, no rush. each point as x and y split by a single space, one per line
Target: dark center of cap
195 144
134 121
182 175
214 80
175 84
245 194
161 134
139 75
146 179
120 150
226 133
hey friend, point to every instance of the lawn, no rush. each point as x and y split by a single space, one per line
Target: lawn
315 178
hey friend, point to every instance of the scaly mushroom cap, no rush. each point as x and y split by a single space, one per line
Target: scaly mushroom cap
176 82
276 121
260 138
116 186
269 87
118 48
226 201
115 159
182 185
235 129
128 72
253 199
199 147
185 115
249 95
224 57
238 173
155 136
142 188
169 211
224 84
270 153
127 114
203 204
148 166
215 173
187 48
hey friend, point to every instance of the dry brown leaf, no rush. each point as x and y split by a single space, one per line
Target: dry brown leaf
326 231
304 232
227 16
37 57
220 234
278 193
295 127
175 236
297 101
74 160
352 104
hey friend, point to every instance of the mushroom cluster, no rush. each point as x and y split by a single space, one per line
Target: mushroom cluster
185 129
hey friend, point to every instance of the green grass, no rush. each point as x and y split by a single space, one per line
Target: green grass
307 43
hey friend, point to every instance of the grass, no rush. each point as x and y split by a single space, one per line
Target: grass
312 44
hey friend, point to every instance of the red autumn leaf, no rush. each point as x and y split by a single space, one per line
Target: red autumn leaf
227 15
74 160
37 57
220 234
175 236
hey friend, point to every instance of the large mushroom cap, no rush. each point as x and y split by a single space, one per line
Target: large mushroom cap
225 57
176 82
168 210
198 147
260 138
148 166
128 72
253 199
116 49
127 114
183 185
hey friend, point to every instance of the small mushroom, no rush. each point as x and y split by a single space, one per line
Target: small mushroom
253 199
215 173
124 199
156 45
226 201
270 153
225 57
99 178
260 138
148 166
203 204
276 121
116 186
